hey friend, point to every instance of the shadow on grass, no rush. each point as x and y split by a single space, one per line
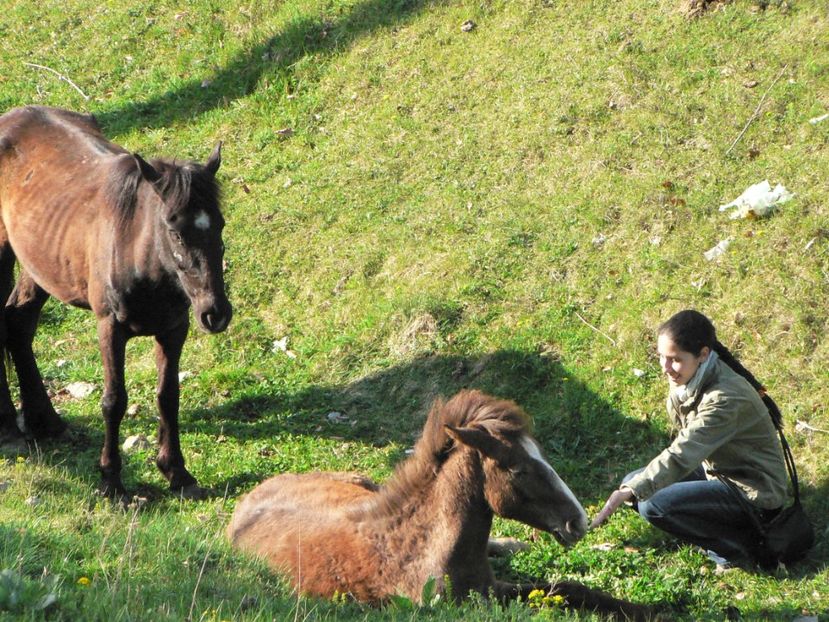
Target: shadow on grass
304 36
590 442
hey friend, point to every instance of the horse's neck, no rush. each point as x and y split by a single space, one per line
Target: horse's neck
443 514
136 245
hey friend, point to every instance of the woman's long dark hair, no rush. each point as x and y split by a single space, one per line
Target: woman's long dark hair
691 331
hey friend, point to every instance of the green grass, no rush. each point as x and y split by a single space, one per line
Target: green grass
433 222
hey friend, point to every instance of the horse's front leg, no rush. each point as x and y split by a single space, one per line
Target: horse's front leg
8 417
579 596
21 315
112 341
170 460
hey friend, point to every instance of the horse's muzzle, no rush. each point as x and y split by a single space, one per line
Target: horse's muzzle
215 318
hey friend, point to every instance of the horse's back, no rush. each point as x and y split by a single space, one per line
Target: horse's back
299 524
289 498
22 126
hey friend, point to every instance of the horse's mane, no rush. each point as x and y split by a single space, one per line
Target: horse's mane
178 184
469 408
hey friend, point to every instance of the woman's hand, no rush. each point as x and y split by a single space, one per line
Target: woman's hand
613 502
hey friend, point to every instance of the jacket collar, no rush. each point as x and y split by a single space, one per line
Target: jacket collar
684 398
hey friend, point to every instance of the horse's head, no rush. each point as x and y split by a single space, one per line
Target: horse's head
520 484
190 234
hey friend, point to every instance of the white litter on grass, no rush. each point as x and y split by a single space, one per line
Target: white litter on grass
758 200
336 417
712 253
80 390
184 375
819 119
803 427
638 372
281 345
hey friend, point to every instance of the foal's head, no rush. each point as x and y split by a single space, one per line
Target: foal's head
190 233
518 482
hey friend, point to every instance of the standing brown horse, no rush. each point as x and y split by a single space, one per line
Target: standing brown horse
339 533
99 228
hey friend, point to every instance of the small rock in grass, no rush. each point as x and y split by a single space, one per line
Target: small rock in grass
134 442
80 390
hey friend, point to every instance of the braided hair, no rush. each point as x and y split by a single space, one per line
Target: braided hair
691 331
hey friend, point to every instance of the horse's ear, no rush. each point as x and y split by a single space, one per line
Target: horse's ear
477 438
148 172
214 160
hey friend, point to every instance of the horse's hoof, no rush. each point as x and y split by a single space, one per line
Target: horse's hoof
48 427
193 492
10 434
113 490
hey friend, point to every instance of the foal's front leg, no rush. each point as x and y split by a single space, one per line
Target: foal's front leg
580 596
170 460
112 341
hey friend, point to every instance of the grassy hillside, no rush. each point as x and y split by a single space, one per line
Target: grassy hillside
419 208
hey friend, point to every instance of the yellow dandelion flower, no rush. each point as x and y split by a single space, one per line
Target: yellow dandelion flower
84 581
20 459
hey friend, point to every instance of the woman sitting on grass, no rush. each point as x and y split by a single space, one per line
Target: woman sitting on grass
723 427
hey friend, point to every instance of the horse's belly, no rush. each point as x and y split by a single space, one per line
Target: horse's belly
50 237
64 275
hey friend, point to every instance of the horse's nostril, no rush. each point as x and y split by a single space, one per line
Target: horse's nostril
208 319
574 526
214 320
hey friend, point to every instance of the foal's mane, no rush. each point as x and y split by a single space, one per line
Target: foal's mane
179 184
469 408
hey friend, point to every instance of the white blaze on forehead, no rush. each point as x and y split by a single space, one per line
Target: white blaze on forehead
202 220
534 452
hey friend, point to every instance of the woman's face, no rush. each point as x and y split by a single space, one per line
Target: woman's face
679 365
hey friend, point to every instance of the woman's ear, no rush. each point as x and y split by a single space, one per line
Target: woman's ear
704 353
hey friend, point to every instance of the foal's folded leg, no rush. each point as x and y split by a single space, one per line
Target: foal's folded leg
580 596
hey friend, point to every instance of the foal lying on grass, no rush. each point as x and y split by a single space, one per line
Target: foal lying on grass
340 533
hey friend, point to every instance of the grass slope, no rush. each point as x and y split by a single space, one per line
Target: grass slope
418 208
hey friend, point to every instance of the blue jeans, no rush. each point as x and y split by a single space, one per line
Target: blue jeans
703 512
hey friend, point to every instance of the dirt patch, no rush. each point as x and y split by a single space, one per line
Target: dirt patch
418 336
695 8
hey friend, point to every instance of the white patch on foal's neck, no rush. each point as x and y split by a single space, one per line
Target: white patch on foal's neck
202 221
534 452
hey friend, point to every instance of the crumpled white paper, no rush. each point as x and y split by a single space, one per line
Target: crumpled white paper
758 200
712 253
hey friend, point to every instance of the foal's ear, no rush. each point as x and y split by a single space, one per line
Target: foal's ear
148 172
214 160
477 438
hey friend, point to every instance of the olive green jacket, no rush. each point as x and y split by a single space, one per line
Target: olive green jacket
725 426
